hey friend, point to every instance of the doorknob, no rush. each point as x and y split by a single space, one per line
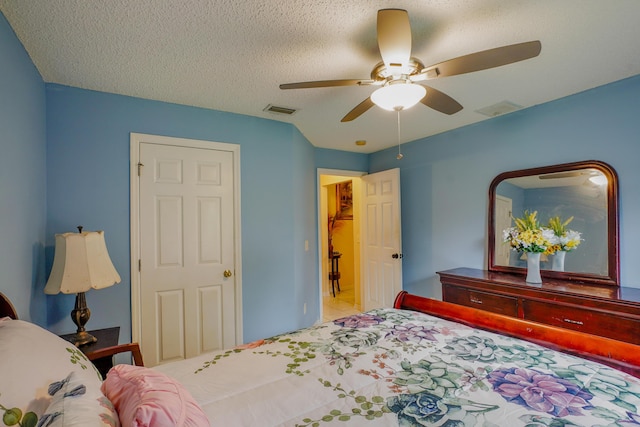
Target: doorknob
227 273
396 256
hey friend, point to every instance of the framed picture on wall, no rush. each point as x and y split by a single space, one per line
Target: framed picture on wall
344 198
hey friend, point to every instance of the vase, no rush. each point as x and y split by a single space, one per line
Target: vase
557 261
533 267
557 264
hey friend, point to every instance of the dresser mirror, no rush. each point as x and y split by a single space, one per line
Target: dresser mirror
586 191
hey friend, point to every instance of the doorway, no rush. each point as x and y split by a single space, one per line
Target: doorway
341 293
373 234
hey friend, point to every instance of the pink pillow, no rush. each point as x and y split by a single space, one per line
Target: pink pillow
146 398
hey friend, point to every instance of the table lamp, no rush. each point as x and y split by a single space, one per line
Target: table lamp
81 262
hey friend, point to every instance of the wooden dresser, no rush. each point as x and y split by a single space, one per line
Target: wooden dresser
607 311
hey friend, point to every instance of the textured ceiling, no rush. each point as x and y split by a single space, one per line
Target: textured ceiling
231 55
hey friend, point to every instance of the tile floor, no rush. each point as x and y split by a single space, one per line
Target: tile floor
340 306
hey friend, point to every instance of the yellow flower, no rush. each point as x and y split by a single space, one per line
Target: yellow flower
527 235
564 239
559 227
528 221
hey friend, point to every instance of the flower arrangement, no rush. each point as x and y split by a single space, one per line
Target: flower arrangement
563 239
528 235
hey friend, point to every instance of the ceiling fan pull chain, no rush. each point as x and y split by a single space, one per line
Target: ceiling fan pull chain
399 156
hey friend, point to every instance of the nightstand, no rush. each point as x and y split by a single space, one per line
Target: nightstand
107 337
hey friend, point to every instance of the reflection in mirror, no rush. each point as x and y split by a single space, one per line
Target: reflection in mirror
585 194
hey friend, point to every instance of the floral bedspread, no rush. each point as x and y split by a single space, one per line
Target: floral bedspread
402 368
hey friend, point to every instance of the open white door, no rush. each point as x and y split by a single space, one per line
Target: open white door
381 238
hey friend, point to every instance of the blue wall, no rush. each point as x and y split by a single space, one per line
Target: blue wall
305 256
22 177
88 184
445 178
341 160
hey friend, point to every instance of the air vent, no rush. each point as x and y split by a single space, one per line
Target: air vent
499 109
279 110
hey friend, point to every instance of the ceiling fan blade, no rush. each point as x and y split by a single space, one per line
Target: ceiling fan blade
440 101
326 83
394 39
358 110
483 60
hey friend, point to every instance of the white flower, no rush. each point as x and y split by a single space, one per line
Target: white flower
570 240
547 233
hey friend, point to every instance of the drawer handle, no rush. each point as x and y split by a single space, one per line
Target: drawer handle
475 300
575 322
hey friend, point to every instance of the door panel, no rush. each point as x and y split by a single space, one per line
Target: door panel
211 320
169 307
209 232
169 238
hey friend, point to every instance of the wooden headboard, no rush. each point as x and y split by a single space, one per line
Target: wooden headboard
617 354
6 308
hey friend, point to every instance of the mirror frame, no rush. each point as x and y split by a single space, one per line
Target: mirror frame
613 277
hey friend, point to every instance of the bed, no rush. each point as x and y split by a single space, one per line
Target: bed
423 362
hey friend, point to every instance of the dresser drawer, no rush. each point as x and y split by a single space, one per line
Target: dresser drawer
589 320
482 300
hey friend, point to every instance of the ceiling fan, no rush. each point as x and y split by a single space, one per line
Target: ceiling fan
400 75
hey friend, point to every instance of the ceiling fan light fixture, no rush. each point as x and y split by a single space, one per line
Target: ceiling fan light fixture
599 179
398 96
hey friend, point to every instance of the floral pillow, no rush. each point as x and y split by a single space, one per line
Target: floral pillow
76 405
31 358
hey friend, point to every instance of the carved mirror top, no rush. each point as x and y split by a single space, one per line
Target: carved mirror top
583 193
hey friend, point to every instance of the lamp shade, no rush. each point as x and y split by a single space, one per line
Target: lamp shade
81 262
400 96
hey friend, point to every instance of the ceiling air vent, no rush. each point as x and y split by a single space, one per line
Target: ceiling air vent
280 110
499 109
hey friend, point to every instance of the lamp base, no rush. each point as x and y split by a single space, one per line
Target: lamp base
83 338
80 316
